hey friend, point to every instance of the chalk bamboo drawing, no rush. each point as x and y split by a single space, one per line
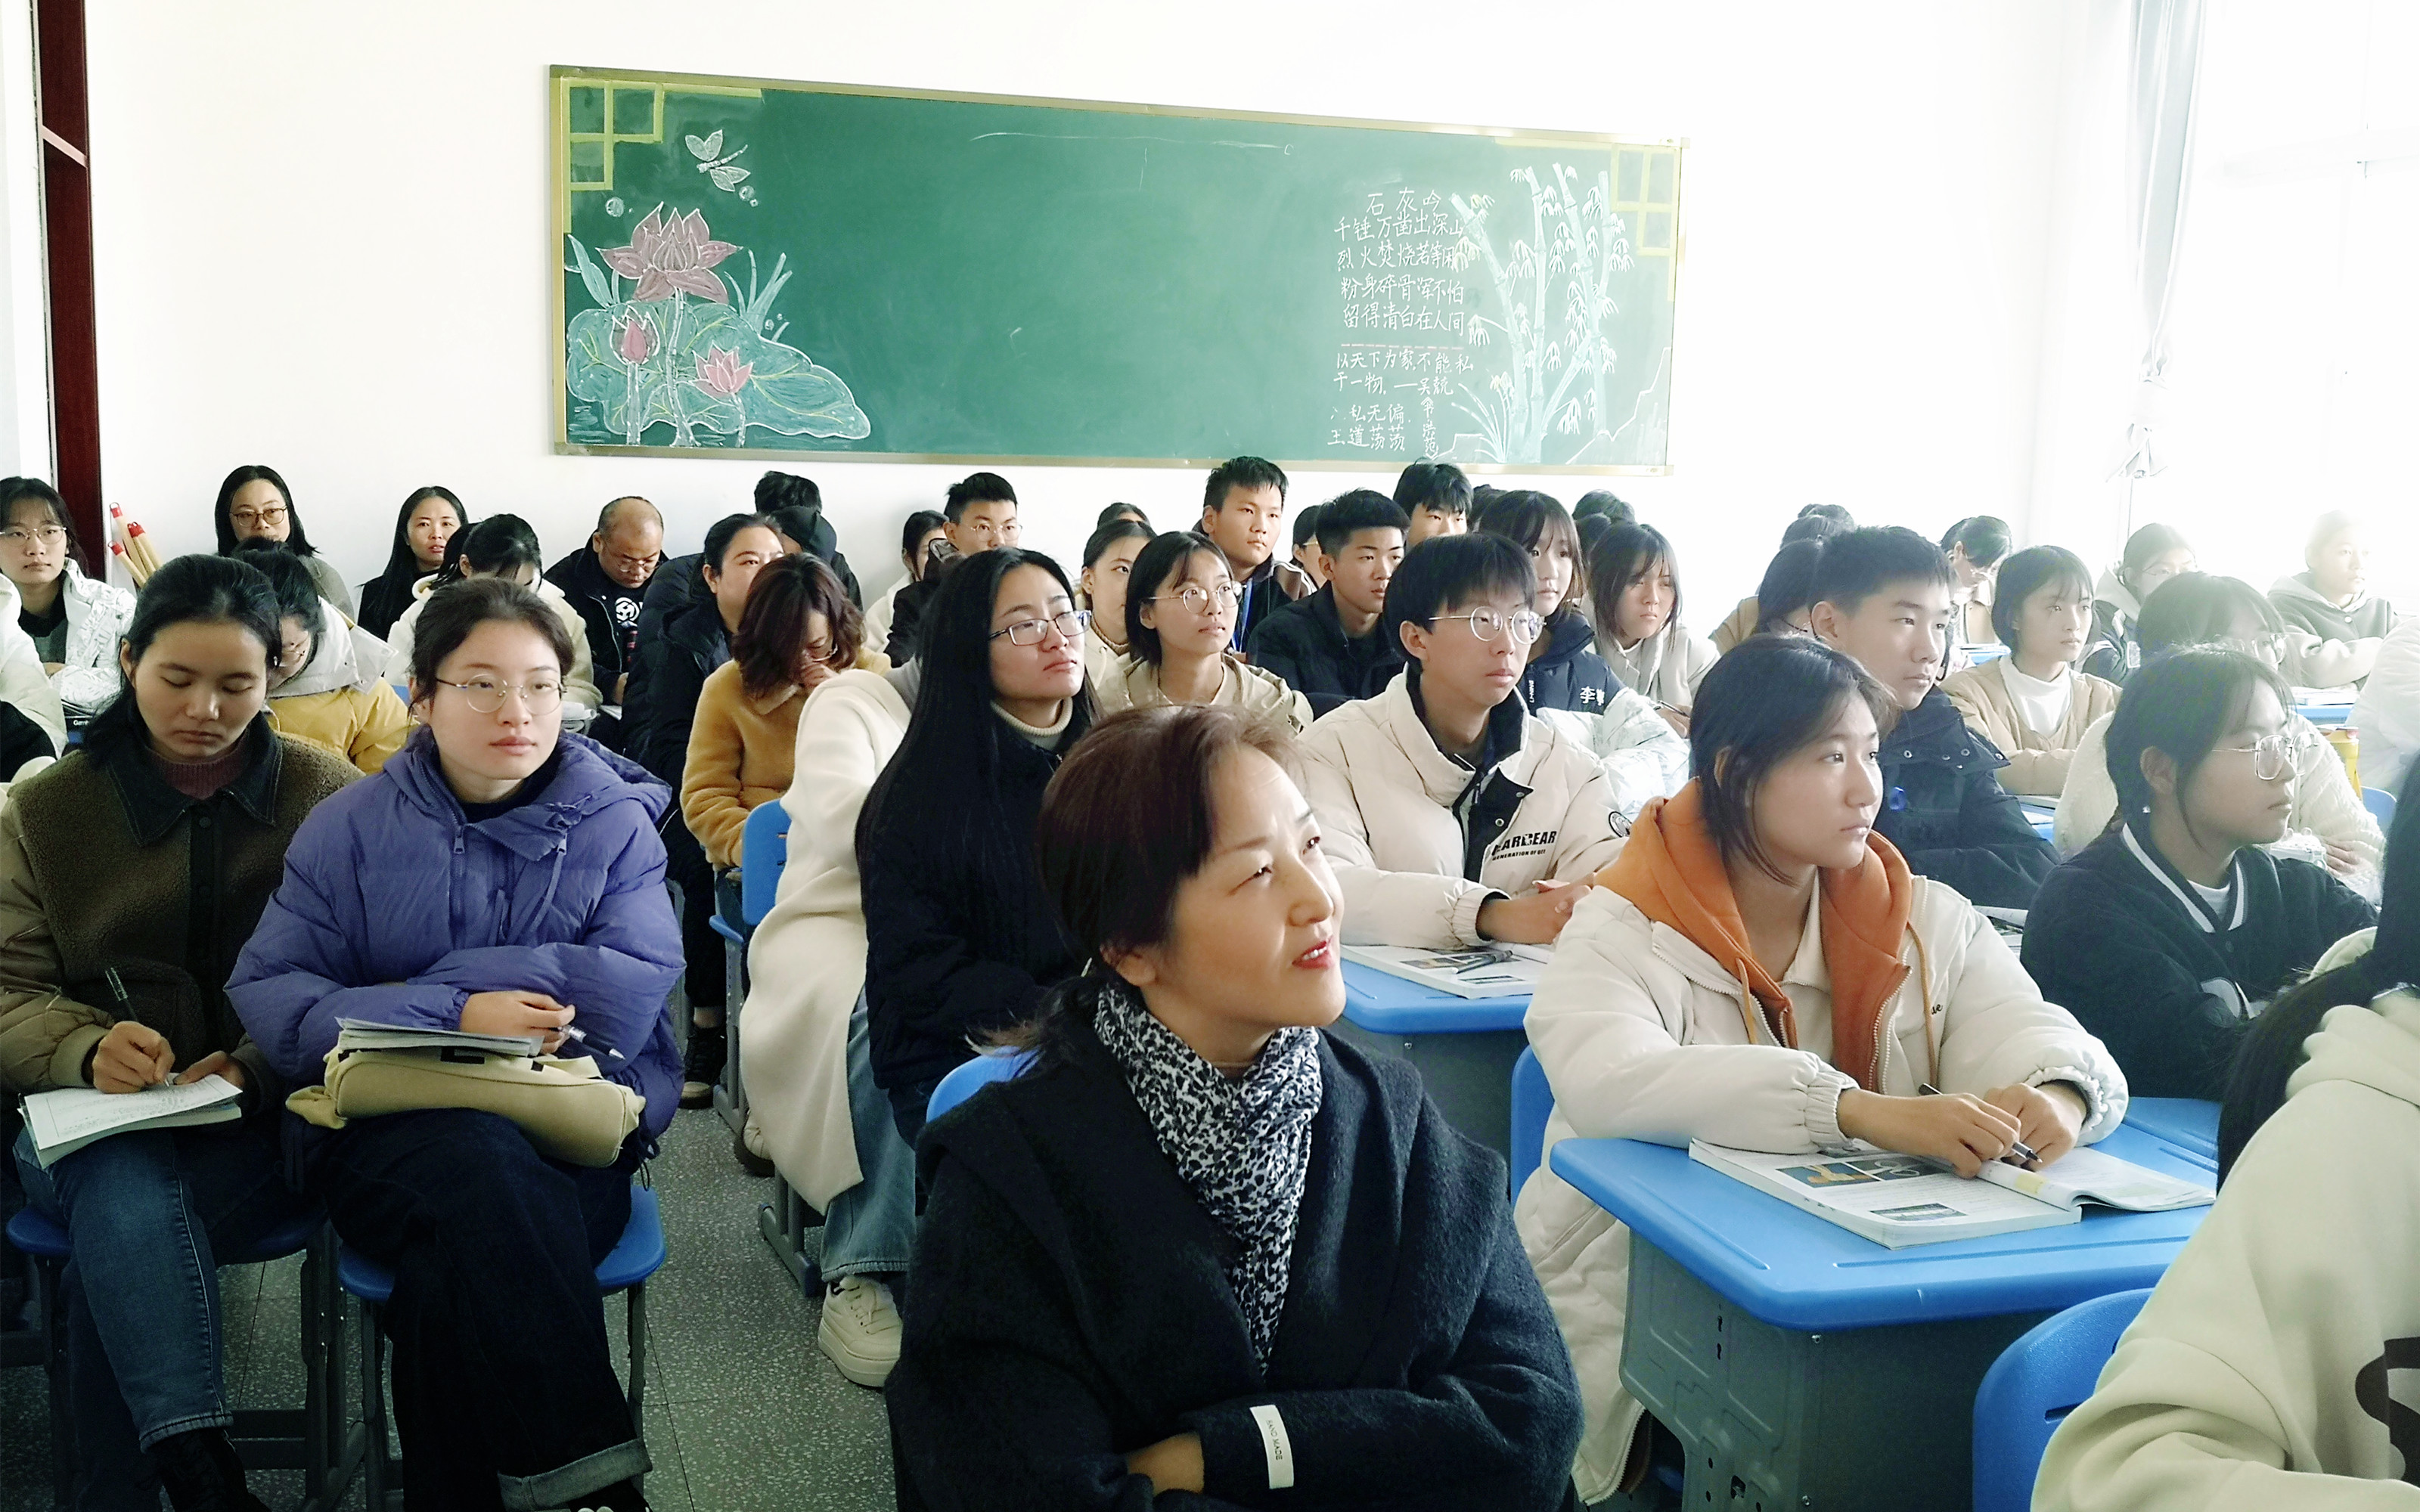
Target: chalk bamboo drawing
685 346
1551 289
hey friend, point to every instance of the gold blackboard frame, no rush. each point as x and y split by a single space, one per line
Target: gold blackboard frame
561 77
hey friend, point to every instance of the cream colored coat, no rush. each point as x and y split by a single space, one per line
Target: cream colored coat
1134 683
2038 764
1642 1037
807 959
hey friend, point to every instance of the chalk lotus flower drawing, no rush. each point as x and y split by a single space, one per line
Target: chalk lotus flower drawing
689 348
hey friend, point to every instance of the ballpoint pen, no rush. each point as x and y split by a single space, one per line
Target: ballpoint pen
2020 1153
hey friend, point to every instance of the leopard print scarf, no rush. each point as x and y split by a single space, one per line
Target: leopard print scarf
1241 1146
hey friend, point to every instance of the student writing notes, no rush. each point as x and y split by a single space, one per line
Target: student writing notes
498 876
1202 1256
2171 932
1761 969
959 942
1452 815
2268 1369
129 875
1181 609
1882 595
2032 703
1333 647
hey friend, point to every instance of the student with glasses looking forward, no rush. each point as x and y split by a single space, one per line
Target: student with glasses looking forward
255 505
74 622
1180 624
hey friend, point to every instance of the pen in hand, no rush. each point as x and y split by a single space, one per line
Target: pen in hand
2020 1154
575 1032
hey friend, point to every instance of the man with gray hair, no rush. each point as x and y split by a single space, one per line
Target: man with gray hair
606 582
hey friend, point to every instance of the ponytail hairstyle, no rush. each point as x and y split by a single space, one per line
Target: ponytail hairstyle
496 546
1127 818
2272 1050
1788 586
1984 538
297 590
2182 704
186 589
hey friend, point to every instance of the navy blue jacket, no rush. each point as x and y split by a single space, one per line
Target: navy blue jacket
1948 815
1569 674
395 909
1305 643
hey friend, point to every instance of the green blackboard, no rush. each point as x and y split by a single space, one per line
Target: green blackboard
783 269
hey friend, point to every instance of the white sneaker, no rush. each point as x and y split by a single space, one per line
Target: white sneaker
860 1330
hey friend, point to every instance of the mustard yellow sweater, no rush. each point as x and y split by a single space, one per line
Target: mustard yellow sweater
740 751
365 726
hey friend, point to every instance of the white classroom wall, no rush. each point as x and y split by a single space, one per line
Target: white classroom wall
324 238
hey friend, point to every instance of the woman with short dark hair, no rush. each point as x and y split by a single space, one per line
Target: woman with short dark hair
2032 703
1291 1278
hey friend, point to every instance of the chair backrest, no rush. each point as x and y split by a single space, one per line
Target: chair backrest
2381 802
1533 1100
964 1081
2032 1387
764 849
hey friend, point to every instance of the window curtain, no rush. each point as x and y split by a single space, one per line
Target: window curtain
2165 64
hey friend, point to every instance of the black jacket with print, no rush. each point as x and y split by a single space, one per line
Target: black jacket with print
1948 815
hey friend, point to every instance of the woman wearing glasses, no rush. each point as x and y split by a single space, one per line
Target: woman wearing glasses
498 876
255 505
1452 814
1180 618
2327 825
75 621
2169 935
960 943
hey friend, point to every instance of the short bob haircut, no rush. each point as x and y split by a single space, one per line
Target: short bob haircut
2182 704
2197 608
2027 573
1536 521
1446 570
187 590
453 611
1788 586
1857 564
773 634
1348 515
1769 697
1127 820
1246 473
1438 486
1154 566
15 491
1985 537
1628 554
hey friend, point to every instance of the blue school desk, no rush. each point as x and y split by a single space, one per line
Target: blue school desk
2040 815
1465 1047
2325 714
1803 1367
2187 1122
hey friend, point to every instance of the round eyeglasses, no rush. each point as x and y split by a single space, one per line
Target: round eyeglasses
485 695
1522 625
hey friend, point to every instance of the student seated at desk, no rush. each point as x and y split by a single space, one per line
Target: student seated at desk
2260 1373
1565 671
1181 608
1306 547
1635 593
2336 624
2169 935
917 538
430 517
1882 595
318 689
1976 546
1109 572
1761 969
1452 814
1435 498
1202 1255
2153 555
2328 824
1333 647
2032 703
1778 602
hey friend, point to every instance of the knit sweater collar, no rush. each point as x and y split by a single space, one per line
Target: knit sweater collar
1041 736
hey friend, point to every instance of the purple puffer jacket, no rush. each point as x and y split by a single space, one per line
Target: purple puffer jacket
395 910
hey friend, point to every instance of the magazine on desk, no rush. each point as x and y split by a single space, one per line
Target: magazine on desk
1899 1200
1489 971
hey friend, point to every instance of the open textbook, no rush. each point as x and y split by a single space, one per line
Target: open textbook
66 1120
1488 971
1900 1200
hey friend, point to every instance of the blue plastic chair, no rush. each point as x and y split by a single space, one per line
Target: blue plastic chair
764 849
637 1256
2381 804
304 1439
2032 1387
1532 1100
965 1080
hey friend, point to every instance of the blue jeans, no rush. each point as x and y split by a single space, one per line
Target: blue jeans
870 1229
150 1213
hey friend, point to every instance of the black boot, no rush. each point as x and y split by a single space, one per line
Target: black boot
703 1066
201 1472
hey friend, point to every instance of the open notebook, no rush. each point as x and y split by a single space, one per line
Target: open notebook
1900 1200
1488 971
66 1120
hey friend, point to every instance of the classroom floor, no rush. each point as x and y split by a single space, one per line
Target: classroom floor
743 1411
